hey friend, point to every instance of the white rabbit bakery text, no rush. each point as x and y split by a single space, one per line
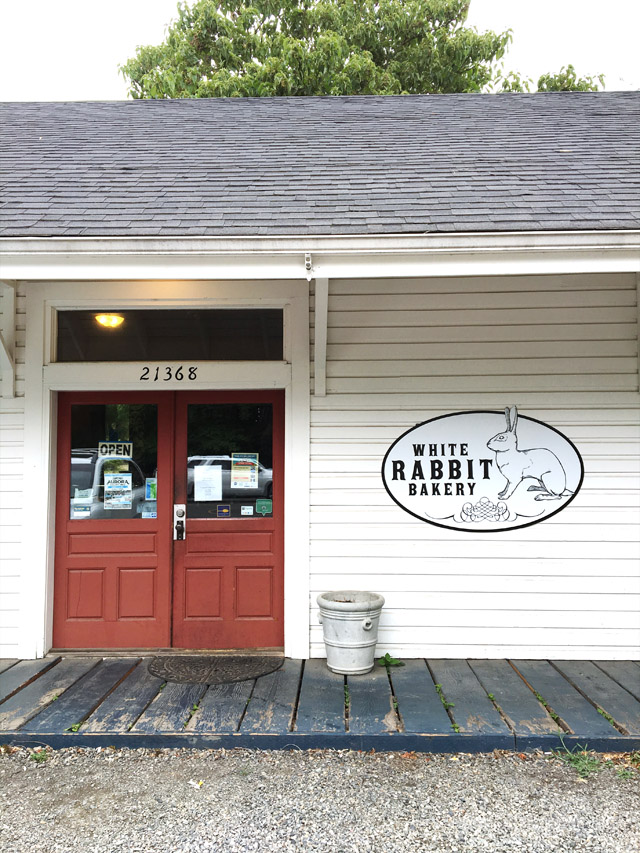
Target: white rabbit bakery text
443 472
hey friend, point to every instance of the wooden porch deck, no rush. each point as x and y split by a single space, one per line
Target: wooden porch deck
427 706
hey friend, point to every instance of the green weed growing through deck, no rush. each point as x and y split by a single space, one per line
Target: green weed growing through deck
446 704
194 708
387 660
550 711
607 717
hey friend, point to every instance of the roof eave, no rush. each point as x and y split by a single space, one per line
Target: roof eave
331 256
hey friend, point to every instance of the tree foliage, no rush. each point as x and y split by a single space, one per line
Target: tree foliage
235 48
240 48
566 80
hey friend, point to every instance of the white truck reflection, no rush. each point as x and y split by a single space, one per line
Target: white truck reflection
265 478
87 484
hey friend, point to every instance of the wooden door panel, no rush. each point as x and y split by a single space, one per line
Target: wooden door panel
254 592
229 573
203 592
112 543
219 542
85 593
113 576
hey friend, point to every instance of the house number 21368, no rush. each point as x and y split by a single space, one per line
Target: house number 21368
166 374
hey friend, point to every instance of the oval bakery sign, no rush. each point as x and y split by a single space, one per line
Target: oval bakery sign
482 471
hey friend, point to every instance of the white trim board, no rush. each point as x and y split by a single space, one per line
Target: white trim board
43 379
360 256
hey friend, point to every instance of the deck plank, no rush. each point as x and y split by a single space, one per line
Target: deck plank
525 714
79 701
626 673
171 709
420 707
221 708
22 673
472 709
273 700
371 708
321 703
604 691
579 715
33 698
5 663
121 709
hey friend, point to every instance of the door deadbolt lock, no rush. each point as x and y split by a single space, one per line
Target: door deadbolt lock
179 518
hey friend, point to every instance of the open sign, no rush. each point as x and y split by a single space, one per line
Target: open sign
115 448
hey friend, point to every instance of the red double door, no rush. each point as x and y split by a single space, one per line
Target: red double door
169 520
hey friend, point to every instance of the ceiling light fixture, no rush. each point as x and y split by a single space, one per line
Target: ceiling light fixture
110 321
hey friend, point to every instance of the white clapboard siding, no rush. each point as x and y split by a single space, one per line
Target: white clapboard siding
11 493
436 351
452 616
476 284
562 348
464 335
425 583
505 567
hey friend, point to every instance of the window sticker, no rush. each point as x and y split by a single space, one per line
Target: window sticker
223 510
264 506
246 510
118 491
151 489
207 483
82 495
244 470
80 511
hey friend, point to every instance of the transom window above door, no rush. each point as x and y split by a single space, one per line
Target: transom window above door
219 334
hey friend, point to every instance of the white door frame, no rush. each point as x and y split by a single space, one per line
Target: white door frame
44 378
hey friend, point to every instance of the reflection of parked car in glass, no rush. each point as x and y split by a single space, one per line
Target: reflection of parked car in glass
87 484
263 489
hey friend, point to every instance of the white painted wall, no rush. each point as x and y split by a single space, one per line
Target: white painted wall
564 348
11 470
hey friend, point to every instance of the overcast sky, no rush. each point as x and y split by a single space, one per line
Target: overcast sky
70 49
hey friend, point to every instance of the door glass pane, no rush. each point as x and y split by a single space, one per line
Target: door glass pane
114 458
229 460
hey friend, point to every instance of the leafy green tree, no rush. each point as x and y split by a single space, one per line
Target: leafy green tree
566 80
236 48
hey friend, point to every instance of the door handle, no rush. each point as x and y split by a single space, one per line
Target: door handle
179 518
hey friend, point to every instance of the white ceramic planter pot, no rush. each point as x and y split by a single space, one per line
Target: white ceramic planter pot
350 625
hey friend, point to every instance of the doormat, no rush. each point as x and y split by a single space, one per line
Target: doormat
223 669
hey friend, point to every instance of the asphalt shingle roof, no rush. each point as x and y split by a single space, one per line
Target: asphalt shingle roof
348 165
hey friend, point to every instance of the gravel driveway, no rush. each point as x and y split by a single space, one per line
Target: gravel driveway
245 800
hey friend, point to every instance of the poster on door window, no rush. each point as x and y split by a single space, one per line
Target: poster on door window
207 483
118 491
151 489
244 470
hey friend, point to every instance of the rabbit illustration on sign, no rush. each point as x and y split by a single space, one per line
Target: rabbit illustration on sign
517 465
